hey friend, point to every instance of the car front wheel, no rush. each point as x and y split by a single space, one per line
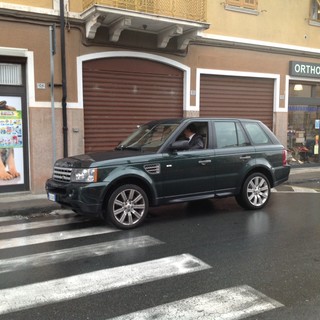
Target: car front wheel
127 206
255 192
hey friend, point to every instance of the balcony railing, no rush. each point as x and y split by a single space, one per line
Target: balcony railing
195 10
248 4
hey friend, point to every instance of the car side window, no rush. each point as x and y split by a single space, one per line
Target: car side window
242 138
198 131
256 133
229 134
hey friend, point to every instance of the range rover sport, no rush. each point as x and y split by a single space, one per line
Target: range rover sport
155 166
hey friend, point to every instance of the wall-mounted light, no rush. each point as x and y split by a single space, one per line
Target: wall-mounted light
298 87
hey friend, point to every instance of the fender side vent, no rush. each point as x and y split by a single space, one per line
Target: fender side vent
152 168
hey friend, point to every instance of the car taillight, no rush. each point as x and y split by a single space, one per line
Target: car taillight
284 157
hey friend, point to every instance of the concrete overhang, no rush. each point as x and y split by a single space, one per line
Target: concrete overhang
117 20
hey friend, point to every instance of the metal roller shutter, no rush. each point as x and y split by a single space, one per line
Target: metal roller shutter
121 93
239 97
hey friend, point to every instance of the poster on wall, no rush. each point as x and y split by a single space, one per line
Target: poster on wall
11 141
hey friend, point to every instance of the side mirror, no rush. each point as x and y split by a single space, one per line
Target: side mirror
180 145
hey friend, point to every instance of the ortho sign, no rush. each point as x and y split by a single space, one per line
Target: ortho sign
304 69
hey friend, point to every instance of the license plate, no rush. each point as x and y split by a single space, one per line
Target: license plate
51 197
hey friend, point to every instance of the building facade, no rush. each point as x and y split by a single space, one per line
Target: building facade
78 76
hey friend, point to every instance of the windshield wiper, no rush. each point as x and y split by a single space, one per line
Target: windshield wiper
128 148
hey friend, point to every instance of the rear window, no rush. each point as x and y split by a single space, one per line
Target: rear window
256 133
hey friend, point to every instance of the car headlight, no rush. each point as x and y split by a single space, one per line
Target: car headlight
84 175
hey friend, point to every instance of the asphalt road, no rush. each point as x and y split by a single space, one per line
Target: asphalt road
202 260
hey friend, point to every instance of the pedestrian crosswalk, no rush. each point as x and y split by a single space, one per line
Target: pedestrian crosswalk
28 245
232 303
295 189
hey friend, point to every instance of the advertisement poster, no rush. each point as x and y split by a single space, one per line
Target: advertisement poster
11 141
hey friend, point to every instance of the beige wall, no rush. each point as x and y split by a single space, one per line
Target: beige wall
41 143
48 4
74 5
284 21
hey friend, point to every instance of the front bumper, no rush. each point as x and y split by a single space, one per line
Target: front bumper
84 198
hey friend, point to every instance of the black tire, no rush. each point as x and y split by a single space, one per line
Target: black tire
127 206
255 192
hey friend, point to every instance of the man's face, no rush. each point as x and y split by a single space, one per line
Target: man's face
187 133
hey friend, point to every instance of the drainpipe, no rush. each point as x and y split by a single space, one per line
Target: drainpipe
64 81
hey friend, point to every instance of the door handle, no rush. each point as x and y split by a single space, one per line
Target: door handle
245 157
204 162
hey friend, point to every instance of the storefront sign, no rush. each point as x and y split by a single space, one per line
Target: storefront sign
304 69
304 108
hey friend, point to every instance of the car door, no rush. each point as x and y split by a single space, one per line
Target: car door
233 155
189 173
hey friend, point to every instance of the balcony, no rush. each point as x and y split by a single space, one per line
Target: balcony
164 18
190 10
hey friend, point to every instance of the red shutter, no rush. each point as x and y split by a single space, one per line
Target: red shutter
121 93
237 97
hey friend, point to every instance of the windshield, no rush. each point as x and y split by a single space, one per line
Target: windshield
149 137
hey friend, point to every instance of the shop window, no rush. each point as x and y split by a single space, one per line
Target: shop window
247 4
14 173
10 74
300 90
303 111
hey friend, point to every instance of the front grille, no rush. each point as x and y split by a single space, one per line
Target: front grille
62 174
152 168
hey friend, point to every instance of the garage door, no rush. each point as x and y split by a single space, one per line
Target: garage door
121 93
240 97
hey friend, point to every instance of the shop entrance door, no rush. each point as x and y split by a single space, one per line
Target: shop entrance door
14 163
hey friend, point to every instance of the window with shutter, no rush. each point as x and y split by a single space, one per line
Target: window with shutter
248 4
10 74
315 10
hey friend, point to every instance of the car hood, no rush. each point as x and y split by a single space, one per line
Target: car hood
98 158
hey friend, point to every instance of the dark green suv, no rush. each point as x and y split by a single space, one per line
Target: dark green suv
158 165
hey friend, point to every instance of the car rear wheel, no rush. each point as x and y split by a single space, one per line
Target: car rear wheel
127 206
255 192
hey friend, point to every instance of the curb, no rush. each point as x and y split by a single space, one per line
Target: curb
25 204
28 207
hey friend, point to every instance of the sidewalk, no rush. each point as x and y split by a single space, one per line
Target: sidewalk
301 178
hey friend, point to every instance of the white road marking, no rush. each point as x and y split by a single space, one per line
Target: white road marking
11 218
71 254
226 304
42 293
41 224
54 236
304 190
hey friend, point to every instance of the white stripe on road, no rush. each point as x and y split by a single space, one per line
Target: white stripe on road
41 224
304 190
227 304
42 293
54 236
71 254
10 218
296 189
